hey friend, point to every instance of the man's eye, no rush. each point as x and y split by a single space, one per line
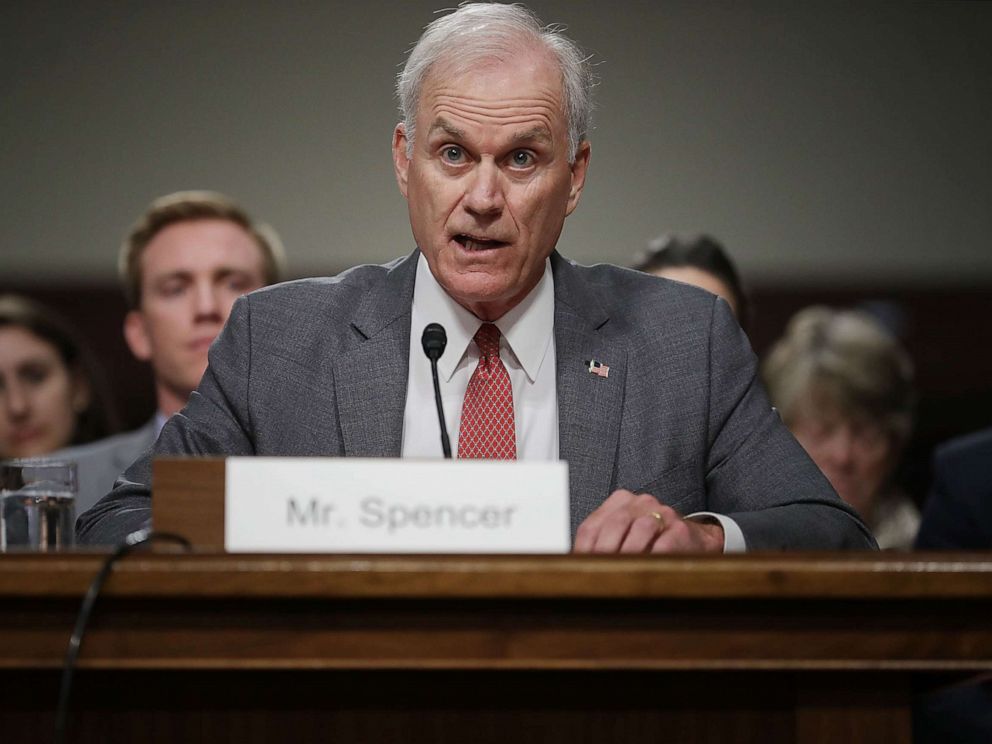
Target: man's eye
452 154
522 159
172 289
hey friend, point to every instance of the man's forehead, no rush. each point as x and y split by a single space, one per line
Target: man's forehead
497 78
201 245
511 100
526 133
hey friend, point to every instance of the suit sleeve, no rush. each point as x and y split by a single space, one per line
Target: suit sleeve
215 421
756 472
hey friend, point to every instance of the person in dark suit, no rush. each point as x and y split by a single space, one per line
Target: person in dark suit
958 516
648 388
182 265
958 511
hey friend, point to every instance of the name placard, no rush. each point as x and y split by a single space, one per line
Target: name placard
354 505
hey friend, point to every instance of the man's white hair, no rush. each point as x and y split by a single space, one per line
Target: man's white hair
478 32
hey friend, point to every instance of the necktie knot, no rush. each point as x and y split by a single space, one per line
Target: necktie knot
487 339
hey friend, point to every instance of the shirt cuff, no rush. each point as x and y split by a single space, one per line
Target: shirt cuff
733 537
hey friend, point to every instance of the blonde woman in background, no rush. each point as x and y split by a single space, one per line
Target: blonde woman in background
844 386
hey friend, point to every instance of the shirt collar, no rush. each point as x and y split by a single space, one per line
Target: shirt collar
527 328
160 419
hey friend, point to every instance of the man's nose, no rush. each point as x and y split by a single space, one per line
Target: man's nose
484 195
208 303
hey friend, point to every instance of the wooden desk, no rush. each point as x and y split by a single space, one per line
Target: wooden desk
755 648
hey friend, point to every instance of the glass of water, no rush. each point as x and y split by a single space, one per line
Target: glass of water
38 505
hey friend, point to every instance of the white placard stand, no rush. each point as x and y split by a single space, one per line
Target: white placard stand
354 505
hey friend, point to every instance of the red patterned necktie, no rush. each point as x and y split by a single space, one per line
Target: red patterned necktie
487 429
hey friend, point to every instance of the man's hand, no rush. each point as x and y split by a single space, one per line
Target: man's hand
638 523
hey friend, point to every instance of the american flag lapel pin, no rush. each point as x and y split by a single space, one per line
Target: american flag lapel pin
598 368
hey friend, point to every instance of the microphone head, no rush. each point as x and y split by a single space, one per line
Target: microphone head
434 340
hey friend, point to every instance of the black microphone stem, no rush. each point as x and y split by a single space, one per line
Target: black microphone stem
445 442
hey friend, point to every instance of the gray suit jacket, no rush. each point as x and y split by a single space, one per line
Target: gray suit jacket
319 367
100 463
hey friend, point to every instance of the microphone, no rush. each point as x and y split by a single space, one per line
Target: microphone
434 340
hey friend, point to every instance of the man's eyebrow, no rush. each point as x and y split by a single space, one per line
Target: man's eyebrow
177 274
441 124
539 134
225 272
534 134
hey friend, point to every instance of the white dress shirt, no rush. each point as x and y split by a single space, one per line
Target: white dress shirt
527 348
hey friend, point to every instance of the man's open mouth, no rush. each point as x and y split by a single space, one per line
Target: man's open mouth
477 243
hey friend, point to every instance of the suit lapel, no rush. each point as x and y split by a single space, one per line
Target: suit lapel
370 379
589 406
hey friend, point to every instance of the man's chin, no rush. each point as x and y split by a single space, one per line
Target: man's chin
487 291
484 306
475 284
188 381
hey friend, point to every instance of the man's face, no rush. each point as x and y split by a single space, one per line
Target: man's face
489 183
191 274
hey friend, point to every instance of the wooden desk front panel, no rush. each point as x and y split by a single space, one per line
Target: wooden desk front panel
225 648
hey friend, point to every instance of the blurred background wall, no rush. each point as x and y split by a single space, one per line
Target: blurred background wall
841 150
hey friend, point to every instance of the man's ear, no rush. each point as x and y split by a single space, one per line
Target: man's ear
579 168
136 335
401 163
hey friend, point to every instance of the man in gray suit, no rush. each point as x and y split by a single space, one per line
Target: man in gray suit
183 264
647 388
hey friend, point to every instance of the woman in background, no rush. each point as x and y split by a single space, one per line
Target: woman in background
844 386
50 393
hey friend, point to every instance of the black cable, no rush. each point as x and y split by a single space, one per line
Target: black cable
130 543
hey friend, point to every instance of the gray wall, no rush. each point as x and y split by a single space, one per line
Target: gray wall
821 142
